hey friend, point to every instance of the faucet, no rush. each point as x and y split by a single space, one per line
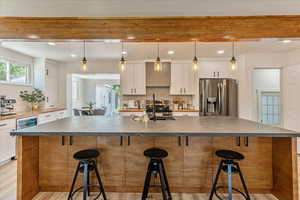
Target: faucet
154 109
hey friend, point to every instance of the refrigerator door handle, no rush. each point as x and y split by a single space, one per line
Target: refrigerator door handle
219 97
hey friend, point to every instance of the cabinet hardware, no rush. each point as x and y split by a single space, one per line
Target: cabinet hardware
218 74
63 140
1 125
48 116
131 90
128 140
184 90
246 141
179 140
180 90
71 140
47 72
121 140
214 74
47 99
187 140
134 90
238 141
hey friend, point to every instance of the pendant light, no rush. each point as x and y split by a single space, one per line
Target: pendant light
195 60
122 60
157 65
84 61
233 59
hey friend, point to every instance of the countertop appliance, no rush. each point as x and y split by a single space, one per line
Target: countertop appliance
159 111
7 106
27 122
218 96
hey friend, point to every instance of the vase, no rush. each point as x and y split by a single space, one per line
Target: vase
35 106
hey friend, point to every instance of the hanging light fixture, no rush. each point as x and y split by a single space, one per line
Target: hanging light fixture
233 59
122 60
195 60
84 61
157 65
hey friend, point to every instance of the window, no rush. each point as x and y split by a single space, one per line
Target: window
270 108
16 73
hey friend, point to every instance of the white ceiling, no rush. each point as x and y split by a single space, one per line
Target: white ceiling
145 51
125 8
98 76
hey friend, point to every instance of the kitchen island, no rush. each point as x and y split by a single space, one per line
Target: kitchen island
45 161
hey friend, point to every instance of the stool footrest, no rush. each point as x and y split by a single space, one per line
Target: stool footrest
90 185
234 189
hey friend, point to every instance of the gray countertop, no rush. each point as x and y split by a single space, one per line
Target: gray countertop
182 126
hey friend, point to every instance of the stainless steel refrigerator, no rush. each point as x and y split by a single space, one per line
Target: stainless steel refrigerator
218 97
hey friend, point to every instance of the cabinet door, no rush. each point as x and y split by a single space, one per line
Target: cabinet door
136 163
127 80
174 162
112 160
257 165
53 164
139 79
51 85
75 144
189 80
4 145
177 79
198 169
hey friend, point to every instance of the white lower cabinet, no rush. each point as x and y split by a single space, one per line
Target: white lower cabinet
61 114
7 142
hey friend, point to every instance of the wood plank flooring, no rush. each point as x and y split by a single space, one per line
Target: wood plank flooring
8 177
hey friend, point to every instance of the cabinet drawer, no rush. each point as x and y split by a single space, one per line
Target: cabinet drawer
61 114
47 117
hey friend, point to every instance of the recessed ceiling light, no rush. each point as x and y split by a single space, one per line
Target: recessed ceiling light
73 55
171 52
33 36
221 51
130 37
51 43
124 52
286 41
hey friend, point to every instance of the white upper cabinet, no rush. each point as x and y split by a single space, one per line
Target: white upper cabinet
216 69
182 79
133 79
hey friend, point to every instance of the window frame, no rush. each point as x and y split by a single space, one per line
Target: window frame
29 73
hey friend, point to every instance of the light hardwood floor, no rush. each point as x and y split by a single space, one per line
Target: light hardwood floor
8 190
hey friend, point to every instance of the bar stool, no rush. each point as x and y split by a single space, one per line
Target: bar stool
155 167
86 165
229 165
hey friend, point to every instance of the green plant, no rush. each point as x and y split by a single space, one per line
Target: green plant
36 96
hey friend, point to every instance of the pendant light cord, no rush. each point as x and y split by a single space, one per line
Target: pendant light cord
158 49
233 49
195 48
83 48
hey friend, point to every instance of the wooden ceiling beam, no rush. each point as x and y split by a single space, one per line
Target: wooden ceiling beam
170 29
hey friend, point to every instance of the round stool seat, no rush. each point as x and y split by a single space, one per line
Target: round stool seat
86 154
229 155
155 153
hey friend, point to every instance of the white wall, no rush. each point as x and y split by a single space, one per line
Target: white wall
248 64
101 66
263 80
11 90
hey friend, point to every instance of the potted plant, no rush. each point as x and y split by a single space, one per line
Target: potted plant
34 98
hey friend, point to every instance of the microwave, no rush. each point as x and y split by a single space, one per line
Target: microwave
27 122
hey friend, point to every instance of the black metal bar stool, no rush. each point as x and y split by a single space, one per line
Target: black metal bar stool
85 165
229 165
156 167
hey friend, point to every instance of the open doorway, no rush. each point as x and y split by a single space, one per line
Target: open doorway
95 94
267 96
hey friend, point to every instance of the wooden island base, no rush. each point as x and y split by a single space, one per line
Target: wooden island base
45 163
